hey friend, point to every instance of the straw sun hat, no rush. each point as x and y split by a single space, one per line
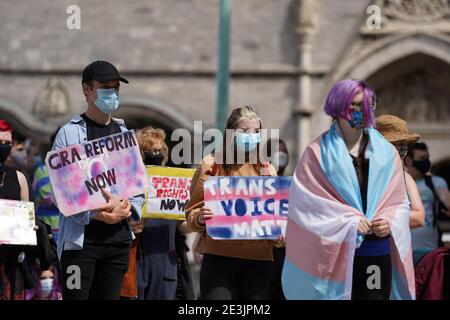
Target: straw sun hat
395 130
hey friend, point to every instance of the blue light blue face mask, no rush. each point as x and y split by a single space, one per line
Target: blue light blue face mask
247 141
107 100
357 121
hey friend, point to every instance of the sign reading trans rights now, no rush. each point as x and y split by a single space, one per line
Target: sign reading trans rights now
79 172
247 208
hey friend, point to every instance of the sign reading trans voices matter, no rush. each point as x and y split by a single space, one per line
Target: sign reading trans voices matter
247 207
79 172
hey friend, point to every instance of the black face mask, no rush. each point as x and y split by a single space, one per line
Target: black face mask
5 150
423 165
153 159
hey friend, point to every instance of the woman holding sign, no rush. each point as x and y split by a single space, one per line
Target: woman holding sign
13 186
155 247
231 269
348 231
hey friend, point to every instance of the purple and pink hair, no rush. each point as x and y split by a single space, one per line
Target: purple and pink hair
340 97
36 292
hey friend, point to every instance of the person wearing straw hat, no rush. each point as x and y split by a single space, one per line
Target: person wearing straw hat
395 130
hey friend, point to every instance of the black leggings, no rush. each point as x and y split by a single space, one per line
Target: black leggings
226 278
372 277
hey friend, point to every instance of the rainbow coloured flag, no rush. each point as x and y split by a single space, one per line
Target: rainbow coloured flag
325 207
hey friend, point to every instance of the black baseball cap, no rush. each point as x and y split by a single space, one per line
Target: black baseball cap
102 71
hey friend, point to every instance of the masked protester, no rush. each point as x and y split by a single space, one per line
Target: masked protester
232 269
19 152
280 160
433 191
348 209
13 186
395 130
47 285
24 155
98 241
158 259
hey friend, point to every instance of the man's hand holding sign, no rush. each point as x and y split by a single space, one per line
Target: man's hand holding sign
114 210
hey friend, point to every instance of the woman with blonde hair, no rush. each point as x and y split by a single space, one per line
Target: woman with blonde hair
231 269
154 149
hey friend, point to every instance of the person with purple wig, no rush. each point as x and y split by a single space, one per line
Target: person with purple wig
348 203
352 105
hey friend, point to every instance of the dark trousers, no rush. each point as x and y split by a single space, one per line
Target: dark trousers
364 277
447 277
102 268
226 278
154 277
276 290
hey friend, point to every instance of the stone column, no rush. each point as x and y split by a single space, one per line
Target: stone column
302 113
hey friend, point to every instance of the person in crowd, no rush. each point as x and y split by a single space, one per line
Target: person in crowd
232 269
46 210
13 186
16 261
395 130
97 241
157 268
24 155
348 233
433 191
47 286
280 160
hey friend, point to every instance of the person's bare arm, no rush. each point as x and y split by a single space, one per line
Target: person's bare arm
196 212
444 196
24 192
417 216
183 227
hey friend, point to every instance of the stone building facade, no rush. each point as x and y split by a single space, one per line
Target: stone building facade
285 55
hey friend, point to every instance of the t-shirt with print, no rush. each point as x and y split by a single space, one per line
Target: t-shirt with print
425 239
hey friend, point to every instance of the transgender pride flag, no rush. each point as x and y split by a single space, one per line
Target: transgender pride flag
324 211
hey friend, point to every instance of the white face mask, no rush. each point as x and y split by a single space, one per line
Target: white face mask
279 159
46 287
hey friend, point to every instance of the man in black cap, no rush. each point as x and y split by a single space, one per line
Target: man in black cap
96 241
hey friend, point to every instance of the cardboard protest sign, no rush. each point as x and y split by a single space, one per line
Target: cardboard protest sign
247 208
79 172
169 192
17 222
